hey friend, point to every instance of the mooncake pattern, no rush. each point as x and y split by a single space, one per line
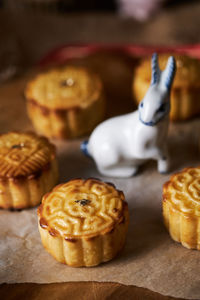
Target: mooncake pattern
22 154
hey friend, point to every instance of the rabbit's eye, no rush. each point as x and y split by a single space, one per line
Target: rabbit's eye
161 108
141 104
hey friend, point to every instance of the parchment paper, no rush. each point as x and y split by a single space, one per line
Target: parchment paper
150 258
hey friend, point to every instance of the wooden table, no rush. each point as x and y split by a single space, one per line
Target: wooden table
37 34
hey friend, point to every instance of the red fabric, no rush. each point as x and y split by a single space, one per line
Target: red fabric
65 52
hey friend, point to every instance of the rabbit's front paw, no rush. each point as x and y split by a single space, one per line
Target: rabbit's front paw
163 165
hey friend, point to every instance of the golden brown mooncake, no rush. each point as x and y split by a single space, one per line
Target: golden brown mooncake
185 91
83 222
181 207
28 169
66 102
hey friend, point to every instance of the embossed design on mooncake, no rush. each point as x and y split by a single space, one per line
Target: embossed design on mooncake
103 207
22 154
183 190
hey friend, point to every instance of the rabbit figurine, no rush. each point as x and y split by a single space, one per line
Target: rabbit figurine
121 144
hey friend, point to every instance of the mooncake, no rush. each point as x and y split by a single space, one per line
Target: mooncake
83 222
28 169
181 207
65 102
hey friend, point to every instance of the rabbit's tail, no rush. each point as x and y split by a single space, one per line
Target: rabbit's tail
84 148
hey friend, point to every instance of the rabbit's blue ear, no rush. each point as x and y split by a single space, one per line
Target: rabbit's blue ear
155 75
169 72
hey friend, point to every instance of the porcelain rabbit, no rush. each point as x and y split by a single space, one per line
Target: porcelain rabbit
121 144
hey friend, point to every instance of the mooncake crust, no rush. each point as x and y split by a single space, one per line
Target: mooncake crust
65 102
186 85
28 169
89 217
181 207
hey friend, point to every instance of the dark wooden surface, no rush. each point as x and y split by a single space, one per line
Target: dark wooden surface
36 35
76 291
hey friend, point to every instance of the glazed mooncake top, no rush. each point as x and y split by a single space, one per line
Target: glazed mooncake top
82 208
65 88
24 154
187 73
183 191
